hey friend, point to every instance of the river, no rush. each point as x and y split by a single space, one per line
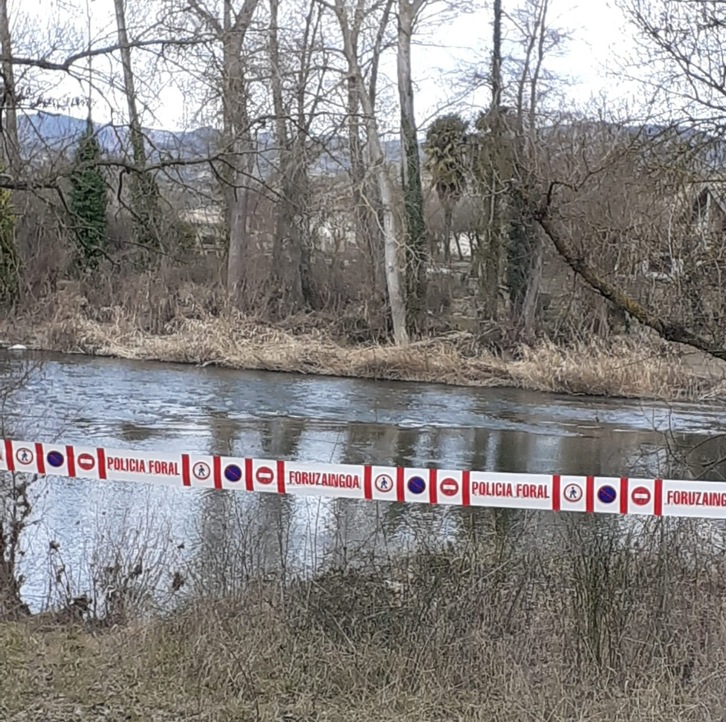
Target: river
155 406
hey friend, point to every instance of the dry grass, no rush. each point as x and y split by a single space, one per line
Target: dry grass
499 632
187 332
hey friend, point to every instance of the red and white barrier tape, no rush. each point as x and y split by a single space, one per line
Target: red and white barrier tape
593 494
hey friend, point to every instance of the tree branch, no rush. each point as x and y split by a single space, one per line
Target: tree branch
203 13
669 331
71 60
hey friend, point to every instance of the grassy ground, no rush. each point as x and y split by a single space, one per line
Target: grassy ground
224 670
623 366
457 643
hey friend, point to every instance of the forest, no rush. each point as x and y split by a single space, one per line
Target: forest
308 203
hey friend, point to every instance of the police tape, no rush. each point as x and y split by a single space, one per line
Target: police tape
592 494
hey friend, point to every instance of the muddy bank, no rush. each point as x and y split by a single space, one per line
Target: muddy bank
619 367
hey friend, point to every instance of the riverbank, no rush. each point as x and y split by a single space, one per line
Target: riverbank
213 673
457 640
623 366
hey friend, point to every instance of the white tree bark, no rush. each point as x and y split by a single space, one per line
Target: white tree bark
385 184
9 103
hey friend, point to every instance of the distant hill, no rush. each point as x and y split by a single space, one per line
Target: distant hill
59 133
43 132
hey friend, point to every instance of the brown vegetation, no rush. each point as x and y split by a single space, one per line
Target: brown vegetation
195 325
600 623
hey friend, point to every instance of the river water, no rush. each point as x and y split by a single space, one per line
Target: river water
165 407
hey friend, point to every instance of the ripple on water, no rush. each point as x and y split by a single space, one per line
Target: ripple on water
147 405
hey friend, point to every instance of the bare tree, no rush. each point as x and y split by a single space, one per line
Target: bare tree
378 164
295 111
144 189
490 173
538 40
231 31
680 57
9 258
416 255
11 142
365 191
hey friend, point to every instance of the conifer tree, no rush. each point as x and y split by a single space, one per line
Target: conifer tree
88 200
9 260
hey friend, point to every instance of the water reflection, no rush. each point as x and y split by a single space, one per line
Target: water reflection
231 536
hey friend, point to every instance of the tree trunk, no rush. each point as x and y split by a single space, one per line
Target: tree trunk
144 190
416 255
9 258
448 223
238 146
531 298
390 242
365 207
525 257
236 164
666 328
385 186
491 250
11 143
286 255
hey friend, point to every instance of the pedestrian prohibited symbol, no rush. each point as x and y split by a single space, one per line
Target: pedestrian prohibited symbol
201 471
384 483
573 492
24 456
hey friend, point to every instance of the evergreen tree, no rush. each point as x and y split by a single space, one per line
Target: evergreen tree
9 260
88 199
445 149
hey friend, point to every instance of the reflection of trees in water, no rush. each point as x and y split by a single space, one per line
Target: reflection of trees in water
279 439
356 532
219 538
242 535
364 532
693 457
472 523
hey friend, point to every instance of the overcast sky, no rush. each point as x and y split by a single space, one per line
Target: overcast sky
597 30
598 39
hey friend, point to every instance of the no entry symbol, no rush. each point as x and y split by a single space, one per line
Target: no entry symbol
85 462
449 486
640 496
265 475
